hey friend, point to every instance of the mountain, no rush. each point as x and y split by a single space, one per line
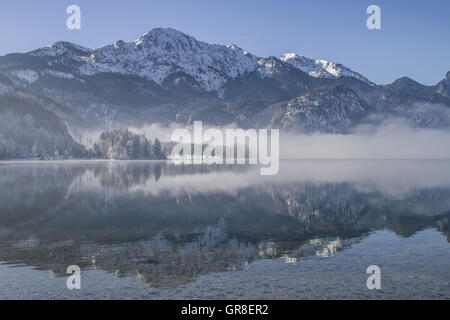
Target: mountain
327 109
62 49
273 80
407 88
321 68
167 76
164 52
406 85
443 87
159 54
28 126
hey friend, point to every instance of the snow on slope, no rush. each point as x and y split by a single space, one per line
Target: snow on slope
27 75
162 52
321 68
61 48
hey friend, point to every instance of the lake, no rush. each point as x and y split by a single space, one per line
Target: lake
165 230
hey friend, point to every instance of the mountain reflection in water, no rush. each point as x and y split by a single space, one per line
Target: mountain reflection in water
169 223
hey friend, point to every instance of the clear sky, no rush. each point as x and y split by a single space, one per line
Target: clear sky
414 40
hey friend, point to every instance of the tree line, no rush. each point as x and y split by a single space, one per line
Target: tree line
122 144
119 144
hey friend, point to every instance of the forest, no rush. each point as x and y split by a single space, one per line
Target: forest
122 144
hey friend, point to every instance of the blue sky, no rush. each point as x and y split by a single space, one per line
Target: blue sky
414 40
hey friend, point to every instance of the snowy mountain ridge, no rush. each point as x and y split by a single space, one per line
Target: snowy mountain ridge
319 68
164 52
61 48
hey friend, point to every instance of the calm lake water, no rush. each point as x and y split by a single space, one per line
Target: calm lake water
160 230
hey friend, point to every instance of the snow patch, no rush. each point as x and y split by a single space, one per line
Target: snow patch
27 75
266 68
58 74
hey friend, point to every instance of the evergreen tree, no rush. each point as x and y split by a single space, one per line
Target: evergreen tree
123 145
157 149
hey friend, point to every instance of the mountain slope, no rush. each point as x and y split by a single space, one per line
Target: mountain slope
321 68
443 87
162 52
409 89
27 129
327 109
273 80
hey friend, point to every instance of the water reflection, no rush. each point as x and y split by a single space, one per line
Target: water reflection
167 224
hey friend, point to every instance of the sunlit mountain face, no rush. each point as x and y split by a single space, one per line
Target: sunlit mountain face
171 225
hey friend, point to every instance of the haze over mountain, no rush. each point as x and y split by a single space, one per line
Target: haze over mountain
167 76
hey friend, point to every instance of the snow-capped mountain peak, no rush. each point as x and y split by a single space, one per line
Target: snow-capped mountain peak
61 48
159 36
319 68
165 51
164 54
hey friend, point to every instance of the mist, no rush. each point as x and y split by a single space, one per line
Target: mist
383 138
392 139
